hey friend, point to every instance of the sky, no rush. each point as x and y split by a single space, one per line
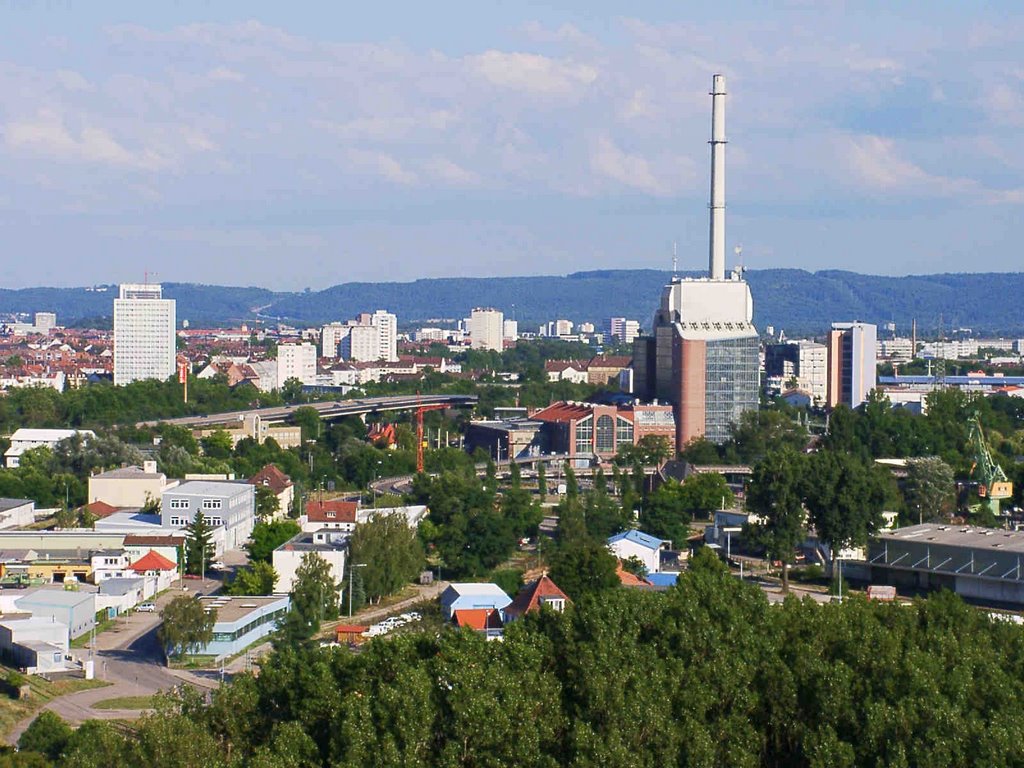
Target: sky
294 145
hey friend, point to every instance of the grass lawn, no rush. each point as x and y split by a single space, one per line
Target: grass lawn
82 641
126 702
12 711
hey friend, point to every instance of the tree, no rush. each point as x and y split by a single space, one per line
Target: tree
291 391
583 566
775 496
267 502
218 444
845 497
929 490
48 735
391 551
97 744
259 578
649 450
198 545
542 481
186 627
268 536
151 505
314 597
308 419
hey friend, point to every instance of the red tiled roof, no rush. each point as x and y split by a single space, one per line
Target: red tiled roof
479 619
153 561
611 361
350 629
628 579
331 511
100 508
557 366
273 478
532 596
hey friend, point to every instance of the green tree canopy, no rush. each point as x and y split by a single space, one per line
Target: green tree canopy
391 551
186 627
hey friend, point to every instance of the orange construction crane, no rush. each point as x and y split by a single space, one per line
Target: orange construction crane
420 410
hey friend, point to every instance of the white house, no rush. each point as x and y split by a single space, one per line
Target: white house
332 546
640 545
26 439
472 595
109 564
17 513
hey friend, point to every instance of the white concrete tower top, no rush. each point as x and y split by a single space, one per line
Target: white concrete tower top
716 260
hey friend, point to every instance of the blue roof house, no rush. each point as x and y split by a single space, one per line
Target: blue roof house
461 596
643 546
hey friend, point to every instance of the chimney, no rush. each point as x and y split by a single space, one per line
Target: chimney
149 467
716 261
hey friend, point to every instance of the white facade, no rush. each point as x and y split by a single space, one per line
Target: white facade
17 513
361 344
25 439
623 330
129 487
642 546
487 329
110 564
330 339
510 329
331 547
44 321
387 335
144 341
228 507
296 361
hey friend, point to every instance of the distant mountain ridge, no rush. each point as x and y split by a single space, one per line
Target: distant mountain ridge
793 300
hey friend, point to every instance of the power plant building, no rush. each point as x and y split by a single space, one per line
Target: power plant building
703 356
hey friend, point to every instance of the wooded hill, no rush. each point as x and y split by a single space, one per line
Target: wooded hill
794 300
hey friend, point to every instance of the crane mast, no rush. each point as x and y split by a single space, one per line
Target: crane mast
993 485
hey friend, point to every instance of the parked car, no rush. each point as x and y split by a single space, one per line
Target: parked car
146 608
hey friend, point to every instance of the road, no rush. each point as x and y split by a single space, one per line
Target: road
327 410
130 658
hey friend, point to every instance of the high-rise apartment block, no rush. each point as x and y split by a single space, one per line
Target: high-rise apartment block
296 361
45 321
487 329
510 330
623 330
144 342
367 339
803 364
852 372
704 353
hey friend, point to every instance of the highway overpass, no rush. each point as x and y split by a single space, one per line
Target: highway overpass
332 409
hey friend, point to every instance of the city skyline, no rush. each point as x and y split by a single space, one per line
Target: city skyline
209 144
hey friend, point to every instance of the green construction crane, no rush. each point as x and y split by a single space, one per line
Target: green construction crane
993 484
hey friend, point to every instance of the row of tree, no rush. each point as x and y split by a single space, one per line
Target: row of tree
704 674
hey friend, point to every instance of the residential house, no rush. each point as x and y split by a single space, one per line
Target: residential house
574 371
643 546
109 564
334 515
486 621
129 487
17 513
330 545
156 566
277 481
464 595
540 593
26 439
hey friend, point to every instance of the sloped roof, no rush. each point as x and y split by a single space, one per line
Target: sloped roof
563 411
610 361
335 511
480 619
628 579
531 596
153 561
637 537
100 508
273 478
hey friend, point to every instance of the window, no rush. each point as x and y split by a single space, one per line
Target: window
215 521
178 504
585 435
330 513
555 603
211 503
179 522
605 434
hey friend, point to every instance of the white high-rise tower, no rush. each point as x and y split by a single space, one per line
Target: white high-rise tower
144 343
716 259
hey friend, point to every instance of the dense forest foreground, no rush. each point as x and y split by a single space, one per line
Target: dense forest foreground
705 674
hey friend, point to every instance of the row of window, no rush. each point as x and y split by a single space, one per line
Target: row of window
181 522
183 503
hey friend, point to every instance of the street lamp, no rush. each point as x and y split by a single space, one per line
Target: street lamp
351 568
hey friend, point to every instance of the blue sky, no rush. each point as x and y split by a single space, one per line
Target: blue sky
305 144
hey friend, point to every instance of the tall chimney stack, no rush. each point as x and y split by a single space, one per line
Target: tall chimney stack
716 266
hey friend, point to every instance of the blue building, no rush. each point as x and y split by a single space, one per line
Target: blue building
241 621
465 596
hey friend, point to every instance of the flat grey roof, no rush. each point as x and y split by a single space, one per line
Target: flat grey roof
304 542
231 609
129 473
6 504
209 488
965 536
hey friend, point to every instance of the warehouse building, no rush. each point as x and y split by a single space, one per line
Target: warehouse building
982 564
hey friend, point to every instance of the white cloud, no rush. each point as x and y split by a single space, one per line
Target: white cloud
567 33
606 159
448 172
383 165
225 75
73 81
47 136
532 73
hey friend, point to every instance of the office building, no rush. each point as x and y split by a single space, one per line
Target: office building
296 361
510 330
228 507
45 321
330 339
851 363
144 342
487 329
703 355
